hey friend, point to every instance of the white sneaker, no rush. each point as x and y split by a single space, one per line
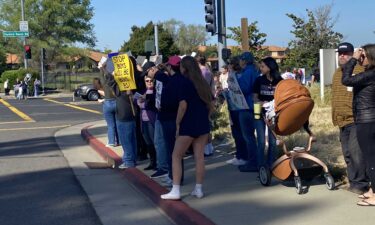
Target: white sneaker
236 162
197 193
123 166
171 196
240 162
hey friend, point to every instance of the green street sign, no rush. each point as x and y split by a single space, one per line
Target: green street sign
15 33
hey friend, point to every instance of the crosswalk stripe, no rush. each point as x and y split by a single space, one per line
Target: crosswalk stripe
16 111
73 106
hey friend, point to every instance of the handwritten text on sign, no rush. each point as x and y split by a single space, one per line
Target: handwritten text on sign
124 73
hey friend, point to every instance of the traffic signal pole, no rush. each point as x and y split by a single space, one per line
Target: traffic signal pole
23 19
221 34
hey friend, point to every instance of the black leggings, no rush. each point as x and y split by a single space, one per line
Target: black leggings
366 141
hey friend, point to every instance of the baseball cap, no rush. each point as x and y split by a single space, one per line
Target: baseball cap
174 60
146 67
345 47
247 57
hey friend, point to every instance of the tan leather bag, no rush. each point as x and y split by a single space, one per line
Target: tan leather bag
293 106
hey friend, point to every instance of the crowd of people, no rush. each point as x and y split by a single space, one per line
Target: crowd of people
172 104
22 88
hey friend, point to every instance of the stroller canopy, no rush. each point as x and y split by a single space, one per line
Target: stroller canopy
293 106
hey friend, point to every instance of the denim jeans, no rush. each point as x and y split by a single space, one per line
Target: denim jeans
128 139
243 134
169 131
353 157
260 127
109 112
148 131
161 150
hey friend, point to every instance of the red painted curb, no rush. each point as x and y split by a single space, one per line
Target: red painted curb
180 212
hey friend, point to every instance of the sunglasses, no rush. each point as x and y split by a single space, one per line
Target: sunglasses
148 81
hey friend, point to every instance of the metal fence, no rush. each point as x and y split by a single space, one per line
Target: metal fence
68 81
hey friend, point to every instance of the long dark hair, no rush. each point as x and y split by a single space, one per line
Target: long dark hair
274 68
193 73
97 83
370 54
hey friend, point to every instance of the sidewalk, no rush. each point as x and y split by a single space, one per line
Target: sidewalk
232 197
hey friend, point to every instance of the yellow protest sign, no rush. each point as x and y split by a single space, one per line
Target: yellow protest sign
124 73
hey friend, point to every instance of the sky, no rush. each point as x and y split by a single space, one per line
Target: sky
113 19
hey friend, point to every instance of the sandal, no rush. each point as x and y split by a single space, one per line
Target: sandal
363 196
365 203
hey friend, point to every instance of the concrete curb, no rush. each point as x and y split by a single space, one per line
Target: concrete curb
178 211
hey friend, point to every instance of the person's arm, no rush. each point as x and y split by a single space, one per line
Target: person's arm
357 80
180 114
113 85
246 81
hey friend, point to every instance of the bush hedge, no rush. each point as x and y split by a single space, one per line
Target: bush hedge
12 75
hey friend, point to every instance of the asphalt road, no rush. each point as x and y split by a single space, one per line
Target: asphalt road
37 185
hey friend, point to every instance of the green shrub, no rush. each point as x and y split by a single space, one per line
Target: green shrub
12 75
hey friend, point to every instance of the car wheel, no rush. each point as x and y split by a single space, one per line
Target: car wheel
93 96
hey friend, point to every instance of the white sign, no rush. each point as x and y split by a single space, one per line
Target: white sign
24 26
328 65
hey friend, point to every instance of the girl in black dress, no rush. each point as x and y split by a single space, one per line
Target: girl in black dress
192 124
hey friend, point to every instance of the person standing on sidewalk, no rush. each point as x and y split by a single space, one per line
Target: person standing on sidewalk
36 87
264 90
109 110
242 115
364 110
161 80
146 103
208 76
342 116
125 119
192 125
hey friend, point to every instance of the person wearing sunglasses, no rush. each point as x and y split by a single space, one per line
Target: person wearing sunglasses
364 110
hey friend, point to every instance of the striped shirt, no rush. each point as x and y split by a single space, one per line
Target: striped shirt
342 99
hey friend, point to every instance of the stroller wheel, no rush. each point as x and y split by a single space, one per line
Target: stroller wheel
298 184
330 182
265 176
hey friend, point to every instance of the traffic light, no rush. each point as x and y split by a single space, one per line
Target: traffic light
210 17
27 51
44 54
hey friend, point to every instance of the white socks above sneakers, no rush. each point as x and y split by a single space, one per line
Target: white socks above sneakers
174 194
197 192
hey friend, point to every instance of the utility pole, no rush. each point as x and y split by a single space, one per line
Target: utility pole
23 19
221 34
156 39
42 55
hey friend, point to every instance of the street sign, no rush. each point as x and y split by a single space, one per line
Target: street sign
15 34
24 26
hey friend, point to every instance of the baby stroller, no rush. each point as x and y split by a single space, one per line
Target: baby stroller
292 108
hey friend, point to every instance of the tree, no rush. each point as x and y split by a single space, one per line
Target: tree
2 59
256 40
53 24
186 37
311 35
139 35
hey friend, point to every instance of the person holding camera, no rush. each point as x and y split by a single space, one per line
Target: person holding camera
364 110
342 116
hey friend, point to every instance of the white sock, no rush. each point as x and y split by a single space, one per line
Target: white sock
175 189
197 192
174 194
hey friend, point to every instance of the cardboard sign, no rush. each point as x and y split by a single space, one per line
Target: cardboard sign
234 96
124 73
